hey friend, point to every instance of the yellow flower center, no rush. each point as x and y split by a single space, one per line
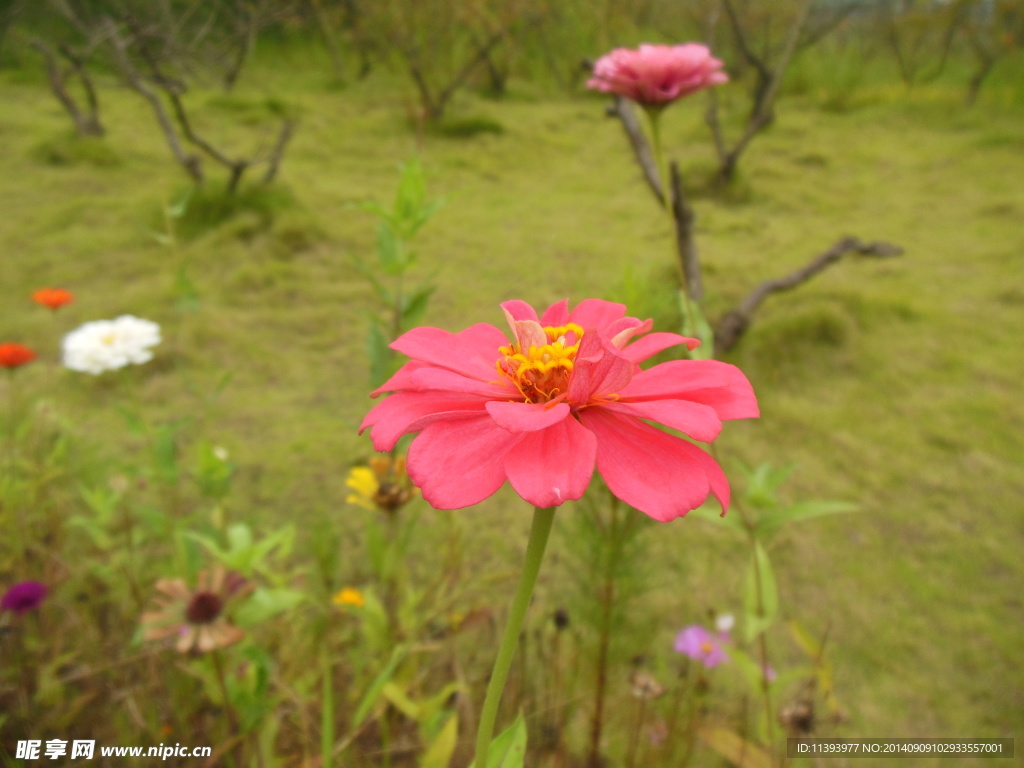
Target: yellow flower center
706 647
542 373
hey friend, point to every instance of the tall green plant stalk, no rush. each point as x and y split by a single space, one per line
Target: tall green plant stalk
616 535
540 531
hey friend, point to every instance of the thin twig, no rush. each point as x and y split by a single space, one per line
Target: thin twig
736 322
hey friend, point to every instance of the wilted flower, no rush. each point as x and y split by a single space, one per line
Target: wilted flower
15 355
349 596
196 617
644 686
23 597
54 298
384 485
105 345
656 75
702 645
566 395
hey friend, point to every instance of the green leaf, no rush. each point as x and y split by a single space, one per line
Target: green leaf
239 537
412 191
439 753
696 326
266 603
758 621
763 482
178 209
380 354
398 698
433 705
807 510
712 513
373 693
391 251
508 749
415 305
208 543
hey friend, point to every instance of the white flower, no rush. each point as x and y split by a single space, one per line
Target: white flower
106 345
725 622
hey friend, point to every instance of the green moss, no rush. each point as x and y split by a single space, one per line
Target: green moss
71 149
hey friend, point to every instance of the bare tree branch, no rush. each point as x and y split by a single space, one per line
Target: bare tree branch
287 129
734 324
86 123
622 108
191 163
686 244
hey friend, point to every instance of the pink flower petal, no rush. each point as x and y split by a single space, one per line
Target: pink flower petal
405 412
471 352
599 369
440 379
653 343
460 463
648 469
720 385
556 315
520 310
694 419
552 465
401 380
592 314
526 417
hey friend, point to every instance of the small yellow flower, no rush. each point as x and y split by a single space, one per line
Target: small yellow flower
349 596
383 486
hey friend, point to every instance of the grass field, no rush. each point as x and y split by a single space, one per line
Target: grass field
894 384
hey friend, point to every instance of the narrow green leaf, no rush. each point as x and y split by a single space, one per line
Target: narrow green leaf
415 305
373 693
381 357
760 615
439 753
807 510
266 603
712 513
398 698
508 749
390 250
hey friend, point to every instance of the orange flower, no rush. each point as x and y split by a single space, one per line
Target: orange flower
54 298
15 355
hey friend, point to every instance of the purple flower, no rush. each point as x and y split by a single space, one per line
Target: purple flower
703 645
23 597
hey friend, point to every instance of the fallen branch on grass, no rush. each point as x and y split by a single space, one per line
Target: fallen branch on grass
732 327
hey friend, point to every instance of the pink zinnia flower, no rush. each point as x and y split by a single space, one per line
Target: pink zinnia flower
656 75
703 645
566 394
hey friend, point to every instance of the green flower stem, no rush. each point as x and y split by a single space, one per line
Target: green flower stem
540 530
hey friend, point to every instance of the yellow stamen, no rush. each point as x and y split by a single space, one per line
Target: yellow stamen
542 373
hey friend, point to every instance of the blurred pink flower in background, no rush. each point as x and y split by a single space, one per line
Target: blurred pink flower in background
703 645
566 395
657 75
23 597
